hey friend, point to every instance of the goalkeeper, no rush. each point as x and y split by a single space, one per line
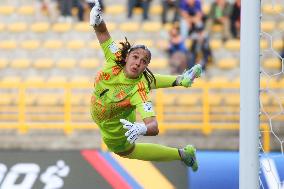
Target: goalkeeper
121 87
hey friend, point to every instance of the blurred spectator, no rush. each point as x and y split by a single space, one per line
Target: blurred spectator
220 14
80 5
46 8
176 42
191 16
167 5
65 10
178 62
236 19
200 51
144 4
91 3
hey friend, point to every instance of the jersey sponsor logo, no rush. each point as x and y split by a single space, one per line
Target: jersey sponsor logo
113 48
148 107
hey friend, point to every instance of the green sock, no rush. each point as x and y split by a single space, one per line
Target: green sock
153 152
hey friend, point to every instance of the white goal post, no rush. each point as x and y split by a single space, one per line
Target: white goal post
249 94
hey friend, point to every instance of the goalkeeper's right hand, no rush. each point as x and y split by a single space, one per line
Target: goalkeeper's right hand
188 76
96 14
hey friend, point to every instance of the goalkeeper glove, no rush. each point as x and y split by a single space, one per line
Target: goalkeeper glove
188 76
134 130
96 14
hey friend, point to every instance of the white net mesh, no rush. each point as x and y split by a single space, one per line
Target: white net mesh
272 94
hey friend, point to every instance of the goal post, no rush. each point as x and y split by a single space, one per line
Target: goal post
249 94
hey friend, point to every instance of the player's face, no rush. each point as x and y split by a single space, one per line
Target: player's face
136 62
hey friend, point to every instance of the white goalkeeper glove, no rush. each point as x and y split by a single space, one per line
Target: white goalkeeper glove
188 76
134 130
96 14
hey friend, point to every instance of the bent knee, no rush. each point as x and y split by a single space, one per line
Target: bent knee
125 153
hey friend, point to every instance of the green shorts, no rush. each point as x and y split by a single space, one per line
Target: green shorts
118 145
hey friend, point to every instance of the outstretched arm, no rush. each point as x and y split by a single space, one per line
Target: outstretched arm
96 20
185 80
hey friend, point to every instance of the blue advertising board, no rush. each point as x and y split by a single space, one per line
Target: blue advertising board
220 170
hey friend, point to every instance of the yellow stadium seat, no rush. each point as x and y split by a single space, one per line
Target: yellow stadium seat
264 98
2 27
26 10
7 9
219 80
168 26
215 44
129 27
206 8
216 28
53 44
94 44
75 44
11 79
57 79
3 63
89 63
137 10
272 63
111 26
20 63
281 26
156 9
7 99
61 27
227 63
147 42
35 79
232 99
268 26
270 8
30 44
233 45
83 27
43 63
263 44
115 9
158 63
80 79
188 99
162 44
168 99
278 44
40 27
17 27
48 99
8 44
188 42
151 26
66 63
215 99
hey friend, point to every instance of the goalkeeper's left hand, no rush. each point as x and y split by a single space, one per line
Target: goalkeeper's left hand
134 130
96 14
187 78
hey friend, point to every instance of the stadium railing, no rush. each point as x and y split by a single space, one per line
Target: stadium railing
208 106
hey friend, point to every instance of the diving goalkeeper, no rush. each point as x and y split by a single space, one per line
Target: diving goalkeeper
121 87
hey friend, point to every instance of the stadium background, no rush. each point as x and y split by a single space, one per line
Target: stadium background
47 69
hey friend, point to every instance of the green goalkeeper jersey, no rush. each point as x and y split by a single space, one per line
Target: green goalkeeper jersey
115 96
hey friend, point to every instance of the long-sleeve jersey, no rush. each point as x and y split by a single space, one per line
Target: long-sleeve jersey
117 97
